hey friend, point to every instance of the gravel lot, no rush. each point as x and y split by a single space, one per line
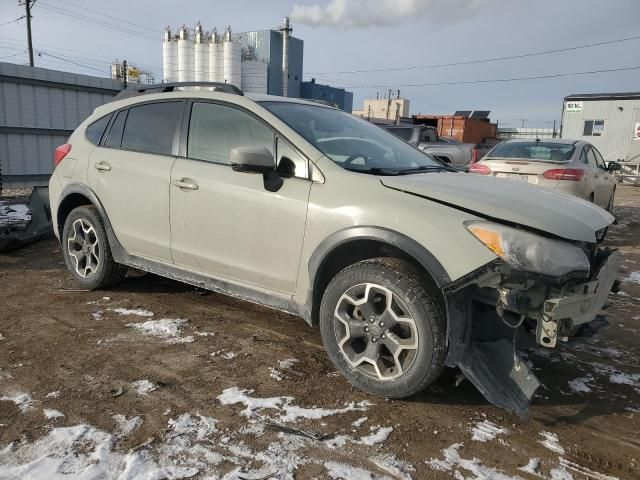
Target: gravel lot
157 380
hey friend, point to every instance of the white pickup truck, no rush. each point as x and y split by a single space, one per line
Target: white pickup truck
448 150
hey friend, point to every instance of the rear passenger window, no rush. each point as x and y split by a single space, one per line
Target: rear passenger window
150 128
114 137
214 130
96 129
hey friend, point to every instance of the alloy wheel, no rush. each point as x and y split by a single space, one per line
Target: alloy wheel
375 331
84 248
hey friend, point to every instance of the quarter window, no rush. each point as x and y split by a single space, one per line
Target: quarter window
593 128
214 130
96 129
150 128
114 137
599 160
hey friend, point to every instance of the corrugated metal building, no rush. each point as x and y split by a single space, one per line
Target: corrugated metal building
610 121
39 108
338 97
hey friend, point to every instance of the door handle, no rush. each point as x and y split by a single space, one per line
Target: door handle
183 183
102 166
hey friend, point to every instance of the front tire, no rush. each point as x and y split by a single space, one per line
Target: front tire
86 250
383 326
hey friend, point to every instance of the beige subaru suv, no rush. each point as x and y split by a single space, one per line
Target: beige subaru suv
406 265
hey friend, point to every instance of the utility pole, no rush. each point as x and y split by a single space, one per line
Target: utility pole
523 120
27 5
124 74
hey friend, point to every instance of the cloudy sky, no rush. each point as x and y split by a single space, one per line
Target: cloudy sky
401 36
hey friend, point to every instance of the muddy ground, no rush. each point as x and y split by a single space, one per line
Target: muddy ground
206 399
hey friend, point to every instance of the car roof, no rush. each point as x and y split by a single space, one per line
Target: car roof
564 141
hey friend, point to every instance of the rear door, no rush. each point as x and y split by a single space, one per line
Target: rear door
606 181
225 223
130 172
595 177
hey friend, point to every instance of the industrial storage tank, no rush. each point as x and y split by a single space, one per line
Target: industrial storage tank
169 58
186 62
254 76
232 60
216 57
201 55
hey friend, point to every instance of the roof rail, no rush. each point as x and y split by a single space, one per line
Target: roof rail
136 90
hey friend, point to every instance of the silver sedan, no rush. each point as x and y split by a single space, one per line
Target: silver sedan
566 166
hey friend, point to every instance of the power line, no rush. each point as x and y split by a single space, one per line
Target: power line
40 52
110 16
97 21
13 21
499 80
484 60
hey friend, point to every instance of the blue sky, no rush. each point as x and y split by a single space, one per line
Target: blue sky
366 34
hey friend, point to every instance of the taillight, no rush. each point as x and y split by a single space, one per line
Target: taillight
61 152
572 174
480 168
474 154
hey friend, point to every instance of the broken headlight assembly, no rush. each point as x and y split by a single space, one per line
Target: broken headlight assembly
530 252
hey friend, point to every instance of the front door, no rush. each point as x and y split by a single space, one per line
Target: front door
130 173
225 223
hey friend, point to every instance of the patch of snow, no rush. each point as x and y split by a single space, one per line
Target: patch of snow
140 312
394 466
176 340
144 387
276 374
341 471
582 384
14 214
165 327
55 394
22 400
287 363
97 315
2 337
288 412
452 460
377 437
485 431
552 442
358 423
338 441
229 355
634 277
198 426
127 426
532 467
622 378
205 334
52 414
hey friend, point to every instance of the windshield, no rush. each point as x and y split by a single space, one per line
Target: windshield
351 142
555 152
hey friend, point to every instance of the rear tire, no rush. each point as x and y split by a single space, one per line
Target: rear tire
383 327
86 250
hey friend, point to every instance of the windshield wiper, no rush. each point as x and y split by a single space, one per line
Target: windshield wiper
375 171
425 168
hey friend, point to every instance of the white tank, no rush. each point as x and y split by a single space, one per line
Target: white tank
232 63
254 76
215 59
201 56
185 57
169 58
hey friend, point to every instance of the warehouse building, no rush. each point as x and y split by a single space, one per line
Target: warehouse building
39 109
610 121
336 97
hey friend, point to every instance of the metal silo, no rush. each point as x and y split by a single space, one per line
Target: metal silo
201 55
185 56
169 58
232 60
215 58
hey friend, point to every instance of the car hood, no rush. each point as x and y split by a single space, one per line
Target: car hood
507 201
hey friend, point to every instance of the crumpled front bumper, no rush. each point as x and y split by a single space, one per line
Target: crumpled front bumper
482 346
577 304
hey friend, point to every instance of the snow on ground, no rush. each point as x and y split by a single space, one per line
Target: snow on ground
582 384
277 373
342 471
144 387
54 394
358 423
485 431
168 328
13 215
634 277
126 426
376 437
532 466
52 414
22 400
394 466
552 442
288 412
140 312
453 462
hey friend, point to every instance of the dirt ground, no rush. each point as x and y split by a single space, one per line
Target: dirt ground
239 391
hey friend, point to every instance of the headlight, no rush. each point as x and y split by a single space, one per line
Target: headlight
530 252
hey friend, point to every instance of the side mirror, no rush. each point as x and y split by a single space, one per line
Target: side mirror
614 166
252 160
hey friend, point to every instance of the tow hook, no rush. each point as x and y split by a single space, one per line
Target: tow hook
547 329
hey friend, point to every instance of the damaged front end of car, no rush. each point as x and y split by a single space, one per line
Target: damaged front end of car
539 290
